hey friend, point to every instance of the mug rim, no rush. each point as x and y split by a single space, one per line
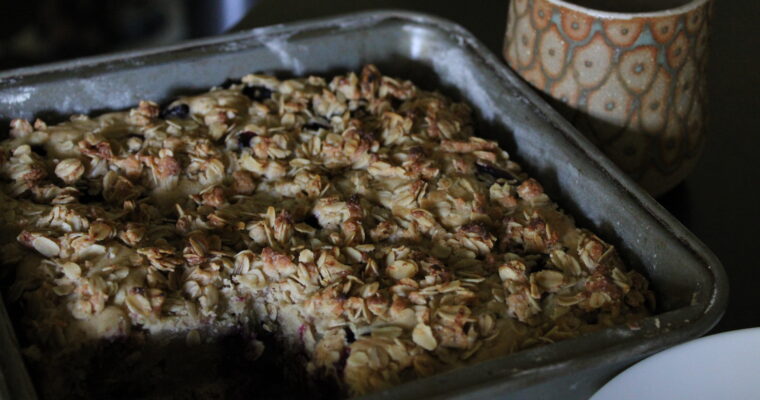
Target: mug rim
593 12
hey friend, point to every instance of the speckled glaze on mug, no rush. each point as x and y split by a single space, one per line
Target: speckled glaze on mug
633 82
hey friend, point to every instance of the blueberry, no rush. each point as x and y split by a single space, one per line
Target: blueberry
494 171
350 337
229 82
312 221
88 198
314 126
340 365
541 264
360 112
39 149
178 111
257 93
244 138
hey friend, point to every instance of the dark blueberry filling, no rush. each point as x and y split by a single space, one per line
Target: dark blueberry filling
350 338
244 139
541 264
178 111
396 103
229 82
354 199
496 172
39 149
340 365
315 126
312 221
87 198
257 93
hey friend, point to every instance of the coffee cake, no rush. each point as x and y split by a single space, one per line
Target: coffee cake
358 223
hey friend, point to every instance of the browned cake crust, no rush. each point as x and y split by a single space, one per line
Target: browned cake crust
358 221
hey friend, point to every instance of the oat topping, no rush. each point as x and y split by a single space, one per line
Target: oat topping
359 220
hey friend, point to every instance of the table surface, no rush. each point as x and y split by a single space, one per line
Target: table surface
719 201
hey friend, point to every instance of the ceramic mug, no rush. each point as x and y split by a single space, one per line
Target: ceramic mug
632 78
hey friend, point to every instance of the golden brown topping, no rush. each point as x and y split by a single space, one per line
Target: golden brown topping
530 189
101 149
401 269
213 197
243 182
167 166
359 221
145 112
20 128
69 170
423 336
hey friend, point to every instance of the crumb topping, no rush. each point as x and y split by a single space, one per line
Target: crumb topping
360 220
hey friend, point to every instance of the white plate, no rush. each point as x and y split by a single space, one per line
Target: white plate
722 366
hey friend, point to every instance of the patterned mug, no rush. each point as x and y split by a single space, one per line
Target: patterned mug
633 82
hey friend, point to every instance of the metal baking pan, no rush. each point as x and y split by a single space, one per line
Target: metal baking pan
689 280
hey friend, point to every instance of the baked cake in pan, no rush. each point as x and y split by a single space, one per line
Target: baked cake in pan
354 230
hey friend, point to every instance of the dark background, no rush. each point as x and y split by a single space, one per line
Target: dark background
719 201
